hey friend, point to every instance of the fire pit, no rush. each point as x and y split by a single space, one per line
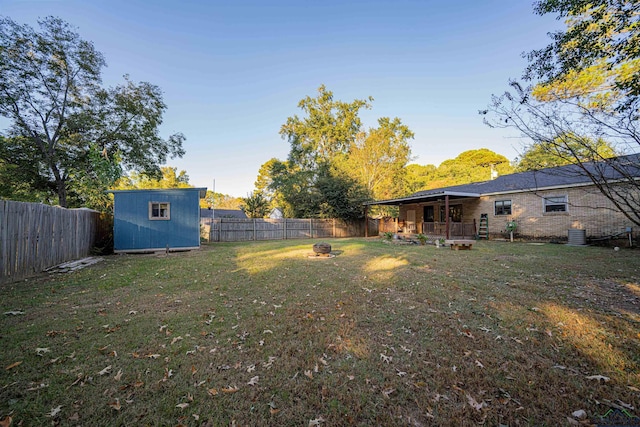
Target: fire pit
321 249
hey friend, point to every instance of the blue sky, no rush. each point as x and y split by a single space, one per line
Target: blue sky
233 71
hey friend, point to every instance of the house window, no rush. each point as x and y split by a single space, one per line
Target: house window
455 213
555 204
161 211
502 207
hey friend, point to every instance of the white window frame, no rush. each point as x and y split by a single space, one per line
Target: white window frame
549 202
162 214
502 206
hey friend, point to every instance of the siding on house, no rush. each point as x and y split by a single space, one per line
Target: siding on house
133 230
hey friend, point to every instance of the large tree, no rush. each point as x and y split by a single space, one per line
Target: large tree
73 135
329 129
306 183
377 157
544 155
584 87
334 164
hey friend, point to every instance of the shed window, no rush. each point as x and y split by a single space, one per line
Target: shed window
503 207
159 210
555 204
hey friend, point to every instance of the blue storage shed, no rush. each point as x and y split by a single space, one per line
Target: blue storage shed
153 220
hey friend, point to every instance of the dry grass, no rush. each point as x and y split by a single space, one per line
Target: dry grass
253 334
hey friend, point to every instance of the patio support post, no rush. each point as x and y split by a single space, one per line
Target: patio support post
446 213
366 222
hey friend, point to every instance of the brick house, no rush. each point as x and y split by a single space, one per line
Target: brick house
544 204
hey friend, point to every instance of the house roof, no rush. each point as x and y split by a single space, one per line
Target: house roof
618 168
222 213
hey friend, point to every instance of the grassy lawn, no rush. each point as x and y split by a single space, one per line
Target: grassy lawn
253 334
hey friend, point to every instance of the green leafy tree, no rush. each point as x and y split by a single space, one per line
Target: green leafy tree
417 177
220 201
470 166
597 56
255 205
20 178
560 153
171 178
340 195
334 165
377 158
65 127
329 129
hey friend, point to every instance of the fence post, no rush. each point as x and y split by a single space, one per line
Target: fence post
311 227
284 228
254 229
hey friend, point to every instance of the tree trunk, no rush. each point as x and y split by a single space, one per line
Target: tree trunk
61 186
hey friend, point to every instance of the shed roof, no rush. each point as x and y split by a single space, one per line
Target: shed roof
201 190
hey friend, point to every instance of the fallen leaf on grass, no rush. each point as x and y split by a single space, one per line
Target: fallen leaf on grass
182 405
13 365
212 391
6 422
115 405
468 334
230 389
269 362
273 409
254 380
388 392
176 339
580 414
385 358
54 412
52 361
316 422
118 376
308 374
105 371
13 313
479 364
598 378
38 387
474 404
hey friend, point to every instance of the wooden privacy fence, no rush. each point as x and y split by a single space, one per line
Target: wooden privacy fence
236 229
34 237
